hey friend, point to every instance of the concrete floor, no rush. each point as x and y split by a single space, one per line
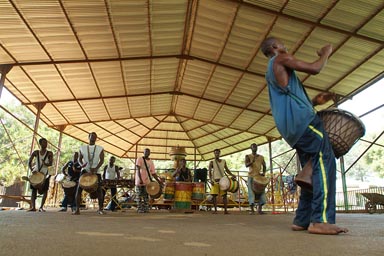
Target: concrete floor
163 233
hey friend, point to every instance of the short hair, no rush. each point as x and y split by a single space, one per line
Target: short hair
41 140
89 135
266 45
216 149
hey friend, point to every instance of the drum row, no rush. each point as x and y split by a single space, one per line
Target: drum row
180 193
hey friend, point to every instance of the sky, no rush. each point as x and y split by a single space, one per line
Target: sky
366 101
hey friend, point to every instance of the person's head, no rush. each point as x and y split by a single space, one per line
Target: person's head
43 143
216 152
147 152
183 162
254 147
272 46
75 156
92 138
112 160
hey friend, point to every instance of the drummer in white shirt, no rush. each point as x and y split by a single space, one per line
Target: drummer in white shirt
91 159
217 169
111 172
38 162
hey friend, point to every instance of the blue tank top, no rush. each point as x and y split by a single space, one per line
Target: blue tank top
291 108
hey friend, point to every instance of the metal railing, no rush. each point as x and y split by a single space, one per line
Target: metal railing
357 202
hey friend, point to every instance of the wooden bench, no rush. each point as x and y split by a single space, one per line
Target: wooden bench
18 198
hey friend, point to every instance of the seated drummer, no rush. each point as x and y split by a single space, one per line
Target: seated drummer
182 173
217 169
111 172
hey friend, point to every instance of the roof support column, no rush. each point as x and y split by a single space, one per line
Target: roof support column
342 169
4 69
58 154
39 107
271 171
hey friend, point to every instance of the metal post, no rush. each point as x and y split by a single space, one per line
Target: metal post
58 153
4 69
344 182
271 171
342 167
39 107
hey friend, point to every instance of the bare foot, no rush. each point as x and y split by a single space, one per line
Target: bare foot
298 228
325 229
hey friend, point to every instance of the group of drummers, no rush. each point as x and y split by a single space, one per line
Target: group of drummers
84 172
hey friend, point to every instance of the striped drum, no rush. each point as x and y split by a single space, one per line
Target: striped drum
169 191
198 191
183 195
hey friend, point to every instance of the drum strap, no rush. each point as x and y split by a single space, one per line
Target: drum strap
146 167
93 156
286 91
218 168
38 159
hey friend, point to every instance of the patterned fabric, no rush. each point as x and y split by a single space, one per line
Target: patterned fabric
142 199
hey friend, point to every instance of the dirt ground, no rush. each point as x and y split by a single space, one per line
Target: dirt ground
161 232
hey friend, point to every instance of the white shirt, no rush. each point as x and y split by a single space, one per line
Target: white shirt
110 172
91 156
39 162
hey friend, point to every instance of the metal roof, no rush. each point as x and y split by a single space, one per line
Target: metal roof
167 73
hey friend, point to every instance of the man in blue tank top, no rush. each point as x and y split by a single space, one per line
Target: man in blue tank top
303 130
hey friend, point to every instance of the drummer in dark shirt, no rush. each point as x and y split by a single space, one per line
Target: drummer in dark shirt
182 173
72 170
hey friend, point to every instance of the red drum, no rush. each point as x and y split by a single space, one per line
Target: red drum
169 191
89 182
259 184
153 189
198 191
183 195
343 129
229 185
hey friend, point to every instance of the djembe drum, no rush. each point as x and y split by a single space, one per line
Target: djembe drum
89 182
37 180
154 189
259 185
344 129
229 185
